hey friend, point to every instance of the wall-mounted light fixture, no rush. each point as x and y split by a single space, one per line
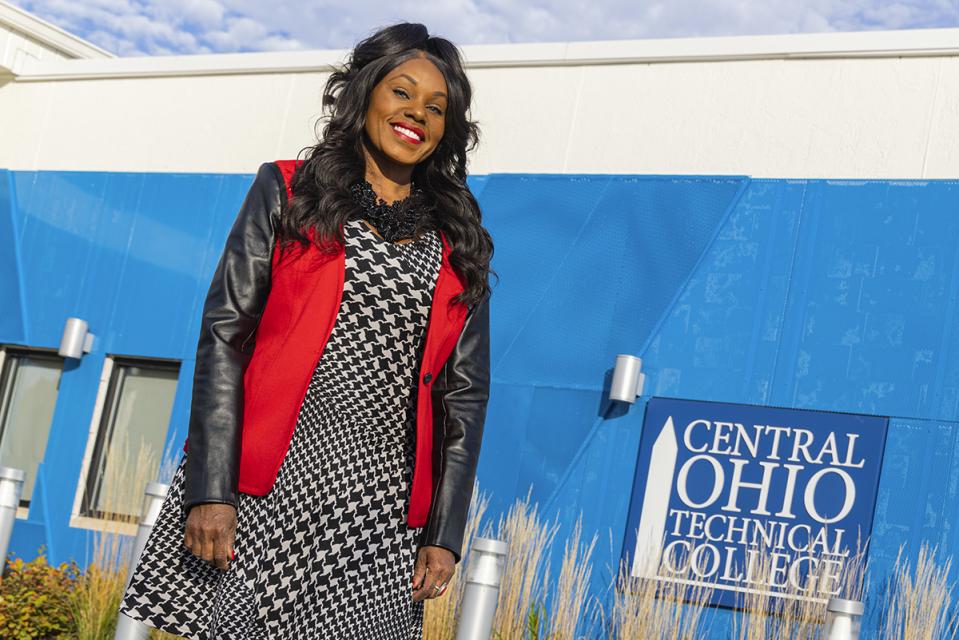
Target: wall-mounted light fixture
628 380
76 339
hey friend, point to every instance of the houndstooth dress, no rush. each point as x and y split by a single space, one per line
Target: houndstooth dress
327 553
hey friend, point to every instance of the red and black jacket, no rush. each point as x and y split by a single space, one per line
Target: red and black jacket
265 322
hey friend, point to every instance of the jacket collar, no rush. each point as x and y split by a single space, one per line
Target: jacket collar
288 168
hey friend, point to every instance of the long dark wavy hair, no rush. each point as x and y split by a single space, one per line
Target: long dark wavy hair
321 185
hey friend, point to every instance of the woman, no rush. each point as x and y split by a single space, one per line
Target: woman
348 325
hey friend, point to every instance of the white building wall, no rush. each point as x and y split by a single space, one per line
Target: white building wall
841 105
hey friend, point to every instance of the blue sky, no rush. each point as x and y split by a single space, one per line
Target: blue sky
154 27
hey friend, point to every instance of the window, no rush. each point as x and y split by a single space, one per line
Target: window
129 431
29 379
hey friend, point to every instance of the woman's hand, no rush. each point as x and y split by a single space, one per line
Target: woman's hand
211 531
434 566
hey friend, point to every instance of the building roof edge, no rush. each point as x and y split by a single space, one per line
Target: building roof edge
47 34
857 44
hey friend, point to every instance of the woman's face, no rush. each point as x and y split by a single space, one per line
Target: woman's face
406 116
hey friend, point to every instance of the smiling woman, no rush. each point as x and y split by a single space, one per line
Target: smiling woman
341 377
406 117
399 118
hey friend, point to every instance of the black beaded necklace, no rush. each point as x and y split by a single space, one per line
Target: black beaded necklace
393 221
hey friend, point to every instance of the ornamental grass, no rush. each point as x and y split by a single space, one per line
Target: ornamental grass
918 598
96 599
916 602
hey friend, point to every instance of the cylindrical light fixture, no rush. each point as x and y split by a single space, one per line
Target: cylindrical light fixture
487 559
76 339
628 380
843 619
11 488
127 627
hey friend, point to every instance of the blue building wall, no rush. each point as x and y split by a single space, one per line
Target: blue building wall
820 294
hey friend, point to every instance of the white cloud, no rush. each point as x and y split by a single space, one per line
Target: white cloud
340 23
131 27
143 27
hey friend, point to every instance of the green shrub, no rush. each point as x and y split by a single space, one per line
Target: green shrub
35 598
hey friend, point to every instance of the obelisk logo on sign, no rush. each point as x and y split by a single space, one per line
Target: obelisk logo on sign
659 485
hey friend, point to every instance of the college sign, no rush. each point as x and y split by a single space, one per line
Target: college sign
743 497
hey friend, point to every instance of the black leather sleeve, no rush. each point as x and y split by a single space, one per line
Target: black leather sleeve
460 394
231 312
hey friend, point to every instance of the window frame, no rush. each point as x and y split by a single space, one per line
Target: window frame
8 350
107 393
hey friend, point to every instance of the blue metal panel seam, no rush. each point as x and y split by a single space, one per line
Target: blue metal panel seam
12 187
944 343
702 255
789 284
584 445
762 296
572 247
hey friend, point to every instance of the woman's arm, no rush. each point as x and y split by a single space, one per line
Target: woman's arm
234 304
460 394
